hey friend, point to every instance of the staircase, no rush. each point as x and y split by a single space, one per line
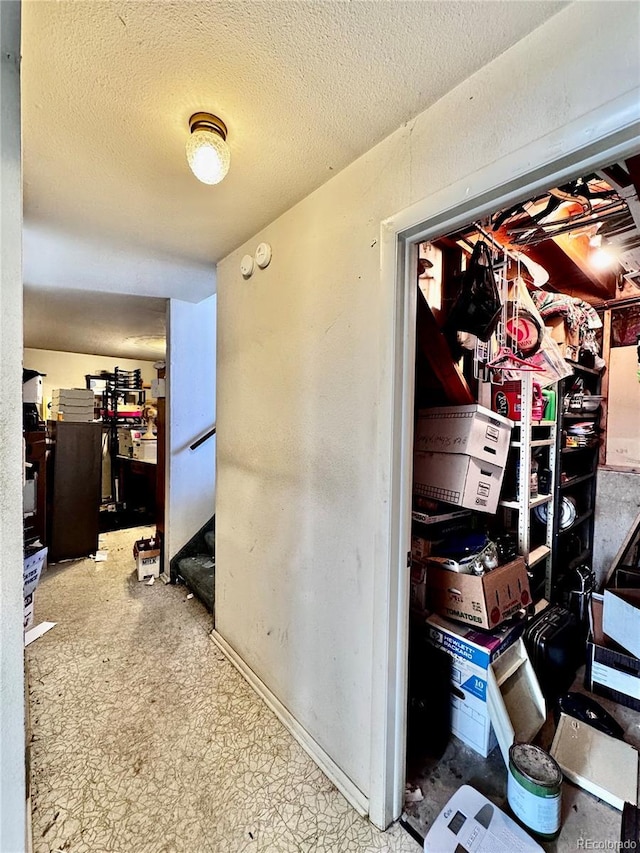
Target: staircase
194 564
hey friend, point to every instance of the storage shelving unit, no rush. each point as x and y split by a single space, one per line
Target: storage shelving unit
117 388
535 540
119 385
575 479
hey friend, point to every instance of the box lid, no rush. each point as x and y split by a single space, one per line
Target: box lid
621 618
470 409
516 705
478 648
601 764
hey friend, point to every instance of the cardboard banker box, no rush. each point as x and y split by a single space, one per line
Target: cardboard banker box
457 479
471 654
472 430
483 601
459 455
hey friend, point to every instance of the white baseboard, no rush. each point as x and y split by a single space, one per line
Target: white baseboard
28 826
328 766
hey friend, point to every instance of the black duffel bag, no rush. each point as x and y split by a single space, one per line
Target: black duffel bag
477 306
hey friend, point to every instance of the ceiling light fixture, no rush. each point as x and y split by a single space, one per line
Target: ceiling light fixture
602 258
207 150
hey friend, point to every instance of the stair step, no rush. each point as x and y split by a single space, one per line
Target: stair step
210 539
198 574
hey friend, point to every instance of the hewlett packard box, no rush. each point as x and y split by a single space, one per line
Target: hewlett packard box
471 653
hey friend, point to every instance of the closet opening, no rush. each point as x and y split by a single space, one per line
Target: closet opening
521 319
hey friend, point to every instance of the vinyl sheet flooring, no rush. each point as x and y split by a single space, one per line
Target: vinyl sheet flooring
145 739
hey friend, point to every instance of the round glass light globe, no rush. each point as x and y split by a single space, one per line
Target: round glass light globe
208 156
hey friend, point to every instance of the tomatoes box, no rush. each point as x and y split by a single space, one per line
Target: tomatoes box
482 601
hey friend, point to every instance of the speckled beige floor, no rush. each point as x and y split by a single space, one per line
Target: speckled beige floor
146 740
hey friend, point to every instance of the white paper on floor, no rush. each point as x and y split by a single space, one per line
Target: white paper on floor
34 633
150 581
101 556
189 596
413 795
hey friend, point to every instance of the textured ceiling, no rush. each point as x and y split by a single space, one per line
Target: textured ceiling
304 87
122 326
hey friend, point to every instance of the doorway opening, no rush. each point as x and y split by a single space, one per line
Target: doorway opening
403 237
555 261
93 407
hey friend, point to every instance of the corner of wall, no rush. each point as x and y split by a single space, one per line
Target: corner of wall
191 412
13 801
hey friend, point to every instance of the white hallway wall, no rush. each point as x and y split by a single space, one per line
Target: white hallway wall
12 737
191 389
304 355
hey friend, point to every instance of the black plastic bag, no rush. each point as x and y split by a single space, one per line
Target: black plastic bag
477 307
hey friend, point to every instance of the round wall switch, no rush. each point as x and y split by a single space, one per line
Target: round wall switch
246 266
263 255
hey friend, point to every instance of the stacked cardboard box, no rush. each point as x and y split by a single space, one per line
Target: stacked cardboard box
613 650
484 601
430 527
459 455
72 404
471 653
567 339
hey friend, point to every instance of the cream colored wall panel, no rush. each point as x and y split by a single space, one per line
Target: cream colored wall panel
623 408
305 366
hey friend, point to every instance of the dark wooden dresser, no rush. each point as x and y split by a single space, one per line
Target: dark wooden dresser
74 489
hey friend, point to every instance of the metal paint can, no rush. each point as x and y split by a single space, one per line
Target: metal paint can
534 789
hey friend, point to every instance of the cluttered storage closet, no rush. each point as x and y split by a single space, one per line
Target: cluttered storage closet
512 345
